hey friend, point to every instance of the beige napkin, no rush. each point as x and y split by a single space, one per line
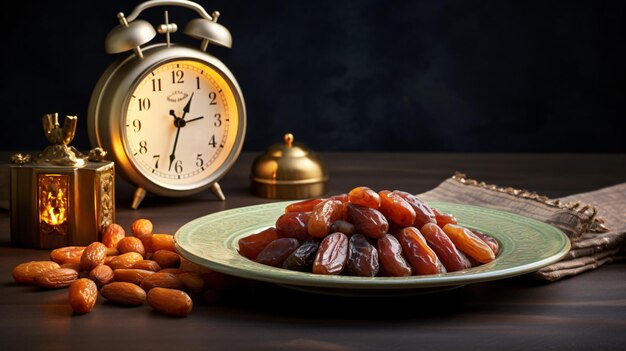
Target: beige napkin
595 221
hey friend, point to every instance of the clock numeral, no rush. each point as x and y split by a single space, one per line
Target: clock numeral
177 76
156 84
218 120
199 161
213 96
212 141
144 104
197 83
178 167
157 158
136 125
143 147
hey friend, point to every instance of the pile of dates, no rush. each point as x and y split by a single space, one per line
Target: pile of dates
367 233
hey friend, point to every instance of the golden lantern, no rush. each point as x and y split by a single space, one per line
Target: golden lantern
60 197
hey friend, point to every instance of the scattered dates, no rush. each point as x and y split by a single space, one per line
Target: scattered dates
368 233
130 271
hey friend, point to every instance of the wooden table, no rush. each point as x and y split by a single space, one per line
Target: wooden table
584 312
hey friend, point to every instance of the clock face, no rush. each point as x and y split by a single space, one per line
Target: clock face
181 124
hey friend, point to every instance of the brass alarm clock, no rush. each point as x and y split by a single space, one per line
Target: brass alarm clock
173 116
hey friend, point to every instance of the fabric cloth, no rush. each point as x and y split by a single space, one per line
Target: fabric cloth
595 221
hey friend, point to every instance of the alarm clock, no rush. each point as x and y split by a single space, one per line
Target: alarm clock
172 116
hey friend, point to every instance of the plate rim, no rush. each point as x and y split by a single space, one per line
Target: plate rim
282 276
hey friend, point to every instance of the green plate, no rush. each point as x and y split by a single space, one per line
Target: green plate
525 246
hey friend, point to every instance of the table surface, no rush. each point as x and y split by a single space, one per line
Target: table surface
584 312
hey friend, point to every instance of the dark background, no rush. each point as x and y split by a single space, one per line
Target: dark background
469 76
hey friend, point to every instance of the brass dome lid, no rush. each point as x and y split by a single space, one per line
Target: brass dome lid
288 170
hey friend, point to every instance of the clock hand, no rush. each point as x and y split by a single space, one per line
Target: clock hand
186 108
179 122
194 119
173 154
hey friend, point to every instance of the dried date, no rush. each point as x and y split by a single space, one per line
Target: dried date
452 259
368 221
392 263
332 255
93 255
396 209
322 217
343 226
302 258
422 259
293 225
303 206
443 218
423 213
275 253
469 243
364 196
362 257
68 254
251 245
489 240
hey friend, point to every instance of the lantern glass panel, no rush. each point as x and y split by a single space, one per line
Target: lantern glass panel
54 195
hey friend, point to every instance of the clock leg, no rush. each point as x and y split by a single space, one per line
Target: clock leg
217 191
140 193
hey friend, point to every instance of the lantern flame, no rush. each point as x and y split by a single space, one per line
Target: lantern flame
53 200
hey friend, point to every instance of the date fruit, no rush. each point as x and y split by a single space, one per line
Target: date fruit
362 257
124 293
489 240
171 302
469 243
112 235
82 295
27 272
101 275
166 259
368 221
93 255
131 275
162 242
57 278
161 280
448 254
422 259
251 245
322 217
131 244
192 282
275 253
332 254
302 258
423 213
443 218
149 265
126 260
293 225
303 206
68 254
141 227
340 197
392 263
74 266
343 226
396 209
364 196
